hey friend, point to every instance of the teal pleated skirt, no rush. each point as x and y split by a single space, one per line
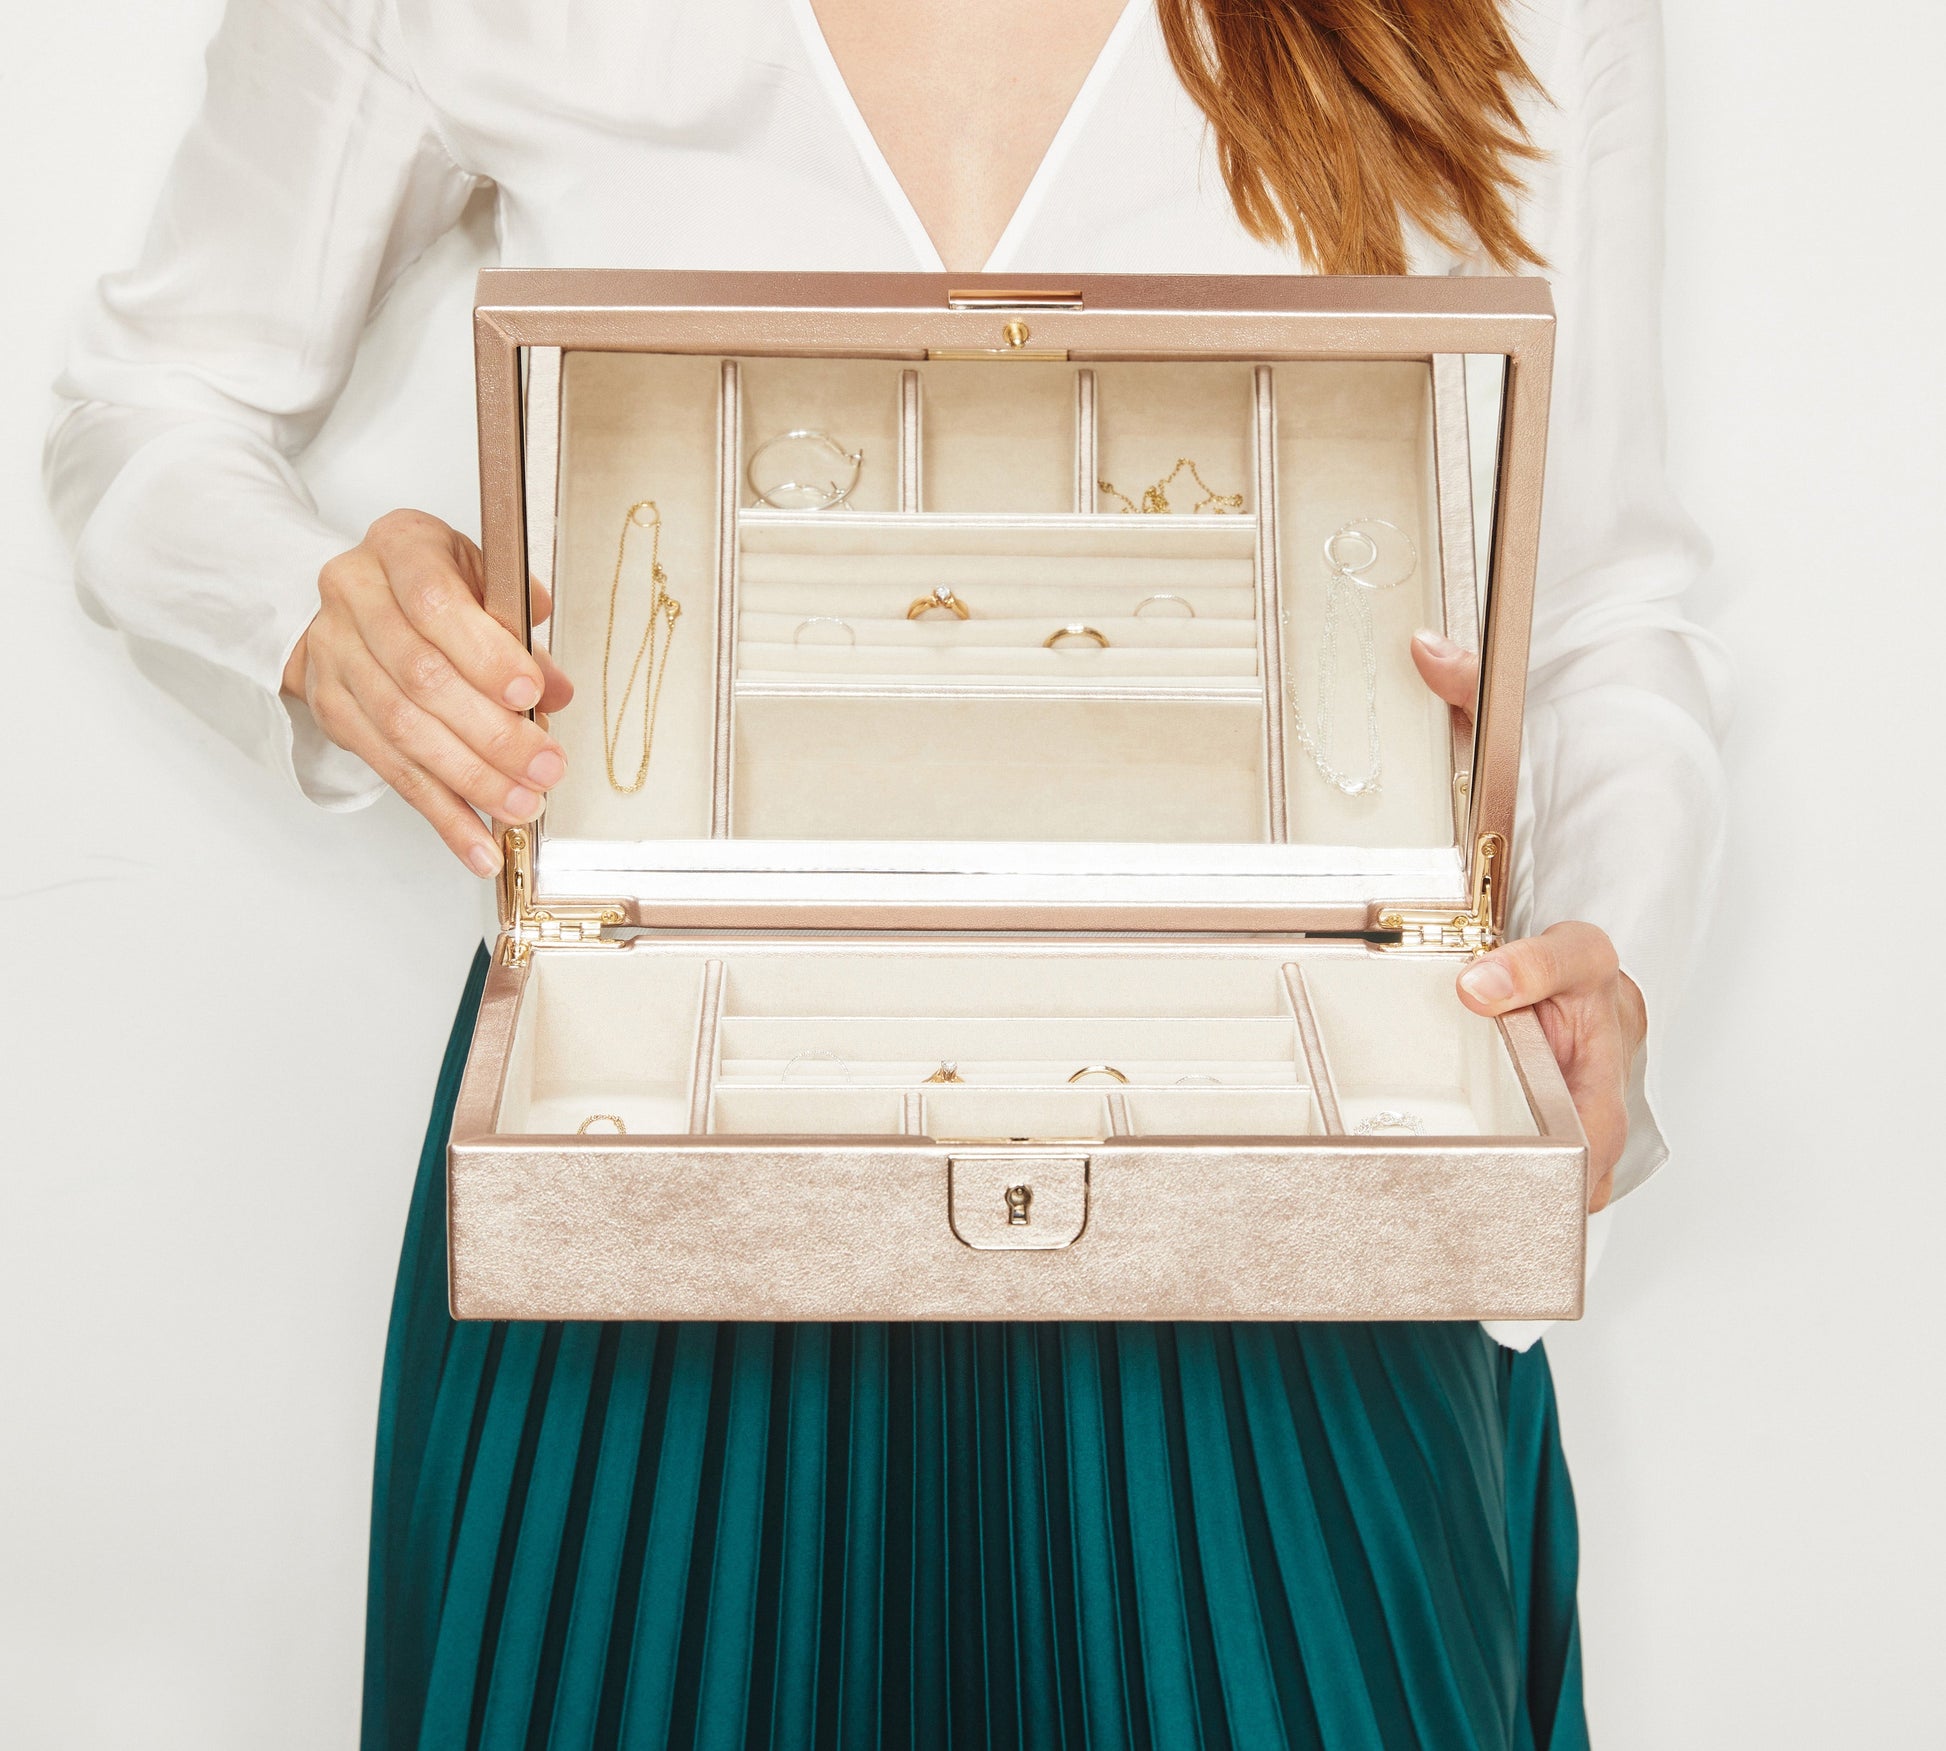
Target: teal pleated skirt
759 1536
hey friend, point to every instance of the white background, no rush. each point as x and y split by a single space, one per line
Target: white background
222 1011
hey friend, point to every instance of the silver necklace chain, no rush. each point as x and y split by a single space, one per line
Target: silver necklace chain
1343 583
1317 743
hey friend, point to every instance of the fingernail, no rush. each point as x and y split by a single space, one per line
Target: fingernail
1436 644
523 805
482 861
523 693
1489 982
546 768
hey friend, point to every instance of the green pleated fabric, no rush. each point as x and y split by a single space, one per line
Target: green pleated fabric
766 1537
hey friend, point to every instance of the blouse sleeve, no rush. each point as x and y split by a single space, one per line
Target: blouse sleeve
1623 785
310 179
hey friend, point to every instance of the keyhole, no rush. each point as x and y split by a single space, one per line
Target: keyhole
1015 333
1018 1198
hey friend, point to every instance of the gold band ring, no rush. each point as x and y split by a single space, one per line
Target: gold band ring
1098 1070
600 1119
1053 639
941 599
947 1072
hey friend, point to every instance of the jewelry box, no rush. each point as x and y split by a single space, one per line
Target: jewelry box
1009 866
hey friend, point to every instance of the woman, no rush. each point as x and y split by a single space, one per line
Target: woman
639 1536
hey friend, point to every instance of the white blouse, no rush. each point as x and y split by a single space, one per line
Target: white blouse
338 138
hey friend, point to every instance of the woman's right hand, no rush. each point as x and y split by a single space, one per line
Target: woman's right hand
404 667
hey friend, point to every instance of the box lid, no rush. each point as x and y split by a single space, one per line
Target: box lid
967 603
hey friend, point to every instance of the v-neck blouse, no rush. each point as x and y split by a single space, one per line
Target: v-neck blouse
339 138
1134 15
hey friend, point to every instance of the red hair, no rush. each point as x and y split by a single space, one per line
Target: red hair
1338 122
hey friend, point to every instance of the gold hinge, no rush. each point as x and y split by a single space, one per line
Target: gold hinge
1471 933
523 925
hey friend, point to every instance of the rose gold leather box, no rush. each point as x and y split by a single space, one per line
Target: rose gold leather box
1009 866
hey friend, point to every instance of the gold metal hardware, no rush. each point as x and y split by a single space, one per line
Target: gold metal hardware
1471 933
1014 338
523 925
1018 1198
1013 298
1012 1144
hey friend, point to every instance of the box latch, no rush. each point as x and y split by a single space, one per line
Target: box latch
1004 1200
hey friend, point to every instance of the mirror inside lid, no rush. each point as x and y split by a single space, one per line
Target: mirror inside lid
918 591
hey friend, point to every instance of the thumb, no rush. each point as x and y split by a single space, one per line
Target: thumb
1451 671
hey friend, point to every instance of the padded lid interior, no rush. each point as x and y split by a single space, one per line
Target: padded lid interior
877 627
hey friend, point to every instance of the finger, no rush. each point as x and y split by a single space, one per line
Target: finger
1564 957
1592 1044
428 741
463 831
433 574
540 599
522 751
1603 1105
1450 670
556 689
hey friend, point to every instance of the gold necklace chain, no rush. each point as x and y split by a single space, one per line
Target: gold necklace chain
664 611
1155 499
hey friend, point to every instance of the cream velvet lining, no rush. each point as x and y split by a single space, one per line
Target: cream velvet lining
840 1040
1354 440
636 426
893 729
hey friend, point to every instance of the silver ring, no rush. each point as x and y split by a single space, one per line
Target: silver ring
1168 596
1196 1082
800 495
1356 530
851 637
840 1067
1390 1120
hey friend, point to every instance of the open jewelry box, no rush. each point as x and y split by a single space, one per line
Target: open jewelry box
1009 866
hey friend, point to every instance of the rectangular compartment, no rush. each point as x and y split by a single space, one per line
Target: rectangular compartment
1223 1112
801 1110
998 443
1406 1057
1355 451
600 1039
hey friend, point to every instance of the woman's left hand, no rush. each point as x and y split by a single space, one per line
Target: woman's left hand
1590 1010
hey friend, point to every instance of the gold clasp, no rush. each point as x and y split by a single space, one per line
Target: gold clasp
1014 333
1013 298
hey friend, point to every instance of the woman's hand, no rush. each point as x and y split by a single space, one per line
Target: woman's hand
405 668
1590 1010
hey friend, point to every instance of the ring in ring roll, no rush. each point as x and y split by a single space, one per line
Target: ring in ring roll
1098 1070
941 599
1053 639
1183 602
804 626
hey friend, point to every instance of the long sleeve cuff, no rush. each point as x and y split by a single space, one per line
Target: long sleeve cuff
210 616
